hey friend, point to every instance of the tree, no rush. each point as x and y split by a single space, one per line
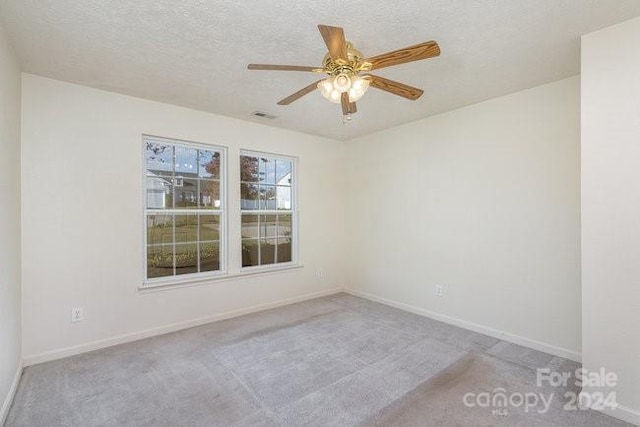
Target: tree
249 173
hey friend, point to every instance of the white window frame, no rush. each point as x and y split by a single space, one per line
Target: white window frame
222 214
294 213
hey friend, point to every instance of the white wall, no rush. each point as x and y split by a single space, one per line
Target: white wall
9 219
484 200
611 206
82 215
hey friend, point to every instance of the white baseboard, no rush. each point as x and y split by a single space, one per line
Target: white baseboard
622 413
516 339
6 405
625 414
121 339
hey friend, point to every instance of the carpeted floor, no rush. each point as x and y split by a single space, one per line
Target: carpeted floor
333 361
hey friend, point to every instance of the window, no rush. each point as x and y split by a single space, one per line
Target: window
184 214
268 209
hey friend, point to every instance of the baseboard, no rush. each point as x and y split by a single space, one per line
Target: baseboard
622 413
6 405
625 414
121 339
516 339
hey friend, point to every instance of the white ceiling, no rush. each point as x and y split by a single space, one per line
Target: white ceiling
195 52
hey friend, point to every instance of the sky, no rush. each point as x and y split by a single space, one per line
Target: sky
187 162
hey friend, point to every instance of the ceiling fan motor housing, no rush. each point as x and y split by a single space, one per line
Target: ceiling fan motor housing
352 66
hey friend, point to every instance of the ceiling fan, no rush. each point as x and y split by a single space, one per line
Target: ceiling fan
344 64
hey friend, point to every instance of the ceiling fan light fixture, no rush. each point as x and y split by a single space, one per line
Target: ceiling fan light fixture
358 88
342 82
325 86
333 87
328 90
335 97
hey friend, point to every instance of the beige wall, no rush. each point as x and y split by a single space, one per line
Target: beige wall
483 200
9 220
611 207
82 217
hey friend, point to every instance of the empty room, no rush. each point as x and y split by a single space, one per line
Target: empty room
319 213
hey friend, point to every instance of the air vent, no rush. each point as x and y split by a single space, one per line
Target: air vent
263 115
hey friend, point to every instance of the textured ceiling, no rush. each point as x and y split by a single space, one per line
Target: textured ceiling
195 52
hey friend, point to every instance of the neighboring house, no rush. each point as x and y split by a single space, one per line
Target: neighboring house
159 195
158 190
284 193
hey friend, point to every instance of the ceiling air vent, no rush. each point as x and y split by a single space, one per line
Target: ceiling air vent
263 115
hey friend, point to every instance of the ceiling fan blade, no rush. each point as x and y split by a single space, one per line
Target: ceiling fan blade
334 39
347 107
281 67
299 94
395 88
417 52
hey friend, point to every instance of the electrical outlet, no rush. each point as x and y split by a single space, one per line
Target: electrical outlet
77 314
439 290
320 273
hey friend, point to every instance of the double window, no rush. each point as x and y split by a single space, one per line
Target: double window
185 211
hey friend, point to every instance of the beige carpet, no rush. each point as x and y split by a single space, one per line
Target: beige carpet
440 401
333 361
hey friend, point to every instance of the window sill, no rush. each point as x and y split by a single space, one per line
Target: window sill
150 287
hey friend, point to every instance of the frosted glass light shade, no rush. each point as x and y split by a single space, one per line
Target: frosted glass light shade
358 88
328 91
325 86
332 89
342 82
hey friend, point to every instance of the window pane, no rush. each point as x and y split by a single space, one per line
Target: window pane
250 226
283 172
210 256
209 164
267 226
284 225
249 170
186 228
159 261
266 186
284 249
186 258
268 197
267 171
159 229
159 192
186 161
283 195
267 252
250 252
209 227
249 197
209 194
182 177
186 192
159 158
